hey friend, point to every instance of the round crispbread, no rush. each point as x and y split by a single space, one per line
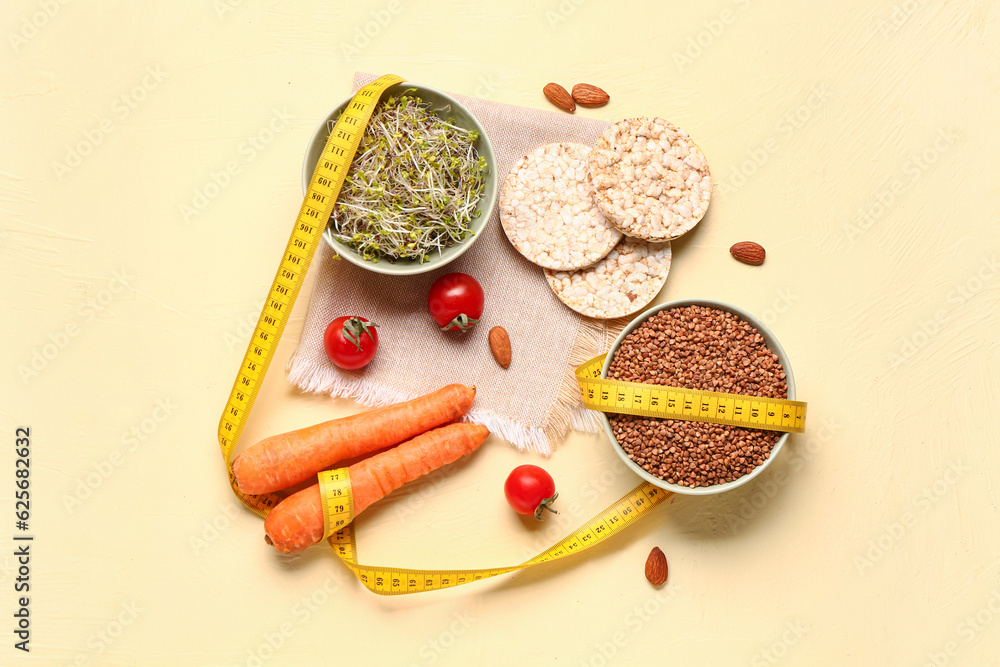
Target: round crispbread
650 180
624 282
548 212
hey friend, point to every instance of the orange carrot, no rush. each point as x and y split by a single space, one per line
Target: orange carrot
283 460
297 521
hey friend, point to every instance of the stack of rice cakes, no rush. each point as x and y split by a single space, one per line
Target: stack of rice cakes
599 220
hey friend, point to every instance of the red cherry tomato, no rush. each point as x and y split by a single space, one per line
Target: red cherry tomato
456 301
530 490
351 342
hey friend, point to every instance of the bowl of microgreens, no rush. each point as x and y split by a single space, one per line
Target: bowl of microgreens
421 187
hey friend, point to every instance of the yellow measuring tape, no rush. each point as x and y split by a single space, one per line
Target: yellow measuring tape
335 485
662 402
317 206
335 491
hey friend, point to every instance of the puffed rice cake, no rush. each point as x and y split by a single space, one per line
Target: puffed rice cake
547 209
650 180
624 282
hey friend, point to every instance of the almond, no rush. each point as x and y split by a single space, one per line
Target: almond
589 96
748 252
656 567
500 345
559 97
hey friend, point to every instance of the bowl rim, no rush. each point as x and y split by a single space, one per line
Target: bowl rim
410 267
769 339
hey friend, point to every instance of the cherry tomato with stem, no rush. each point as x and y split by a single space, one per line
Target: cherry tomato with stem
351 342
456 301
530 491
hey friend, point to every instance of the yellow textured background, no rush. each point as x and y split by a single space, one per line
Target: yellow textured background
856 141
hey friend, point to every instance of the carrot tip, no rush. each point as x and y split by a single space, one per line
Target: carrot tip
267 538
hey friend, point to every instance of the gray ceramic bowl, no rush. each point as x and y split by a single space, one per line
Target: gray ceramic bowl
772 344
445 106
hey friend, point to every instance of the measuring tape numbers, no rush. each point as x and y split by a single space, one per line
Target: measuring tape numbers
661 402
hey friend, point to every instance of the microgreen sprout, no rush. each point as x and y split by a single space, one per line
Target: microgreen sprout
413 187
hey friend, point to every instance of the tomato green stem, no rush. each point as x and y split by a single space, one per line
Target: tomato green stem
463 323
544 505
355 328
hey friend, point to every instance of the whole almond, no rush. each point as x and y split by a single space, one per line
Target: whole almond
589 96
559 97
500 345
656 567
748 252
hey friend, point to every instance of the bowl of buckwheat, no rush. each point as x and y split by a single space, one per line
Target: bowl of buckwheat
705 345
